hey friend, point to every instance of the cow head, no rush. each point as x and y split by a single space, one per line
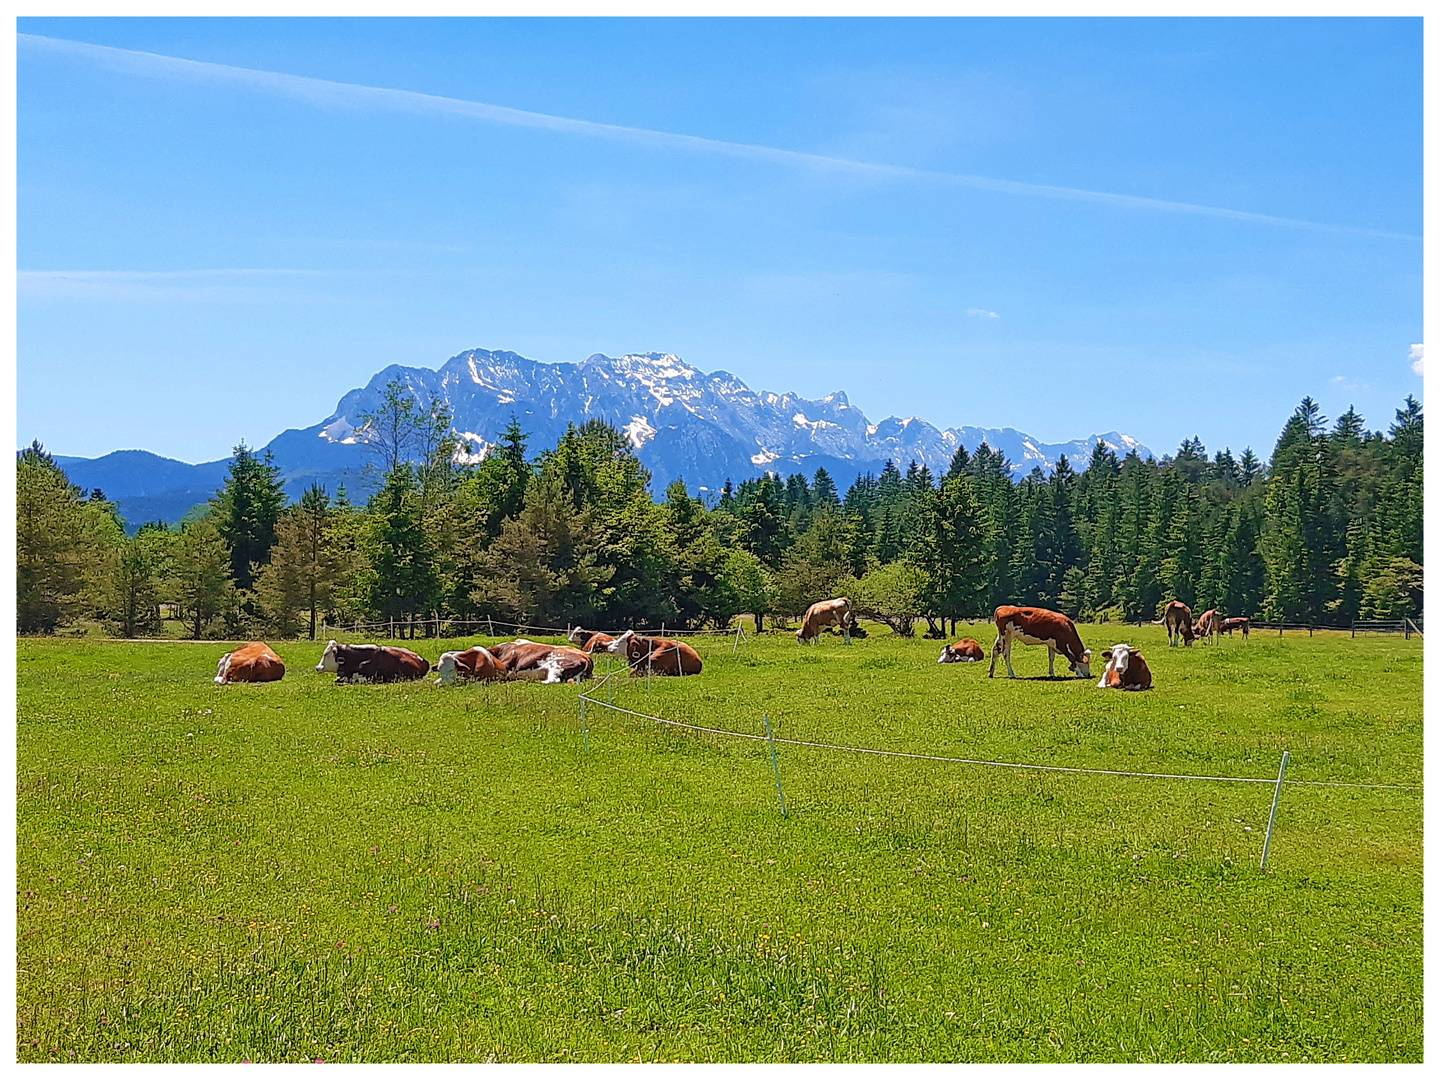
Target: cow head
621 645
578 637
328 661
224 667
446 667
1083 667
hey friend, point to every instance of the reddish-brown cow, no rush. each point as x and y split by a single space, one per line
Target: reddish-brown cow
825 613
1178 624
1239 622
591 641
473 663
965 651
522 659
656 655
1037 626
372 663
1208 625
1125 669
254 662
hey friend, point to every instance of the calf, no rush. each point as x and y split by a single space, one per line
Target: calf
250 663
473 663
825 613
372 663
591 641
1177 623
1125 669
1037 626
656 655
965 651
1240 622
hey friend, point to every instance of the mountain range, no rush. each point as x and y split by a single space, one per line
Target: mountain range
682 423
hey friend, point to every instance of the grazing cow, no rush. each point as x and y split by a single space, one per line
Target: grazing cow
656 655
250 663
591 641
1125 669
965 651
372 663
1177 623
1239 622
473 663
532 660
825 613
1208 625
1037 626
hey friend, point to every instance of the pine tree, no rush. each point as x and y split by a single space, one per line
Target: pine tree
246 510
200 569
140 565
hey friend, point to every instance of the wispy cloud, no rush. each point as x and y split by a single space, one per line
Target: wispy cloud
206 284
323 93
1417 358
981 313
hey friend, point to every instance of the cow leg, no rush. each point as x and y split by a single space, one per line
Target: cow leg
1052 661
993 654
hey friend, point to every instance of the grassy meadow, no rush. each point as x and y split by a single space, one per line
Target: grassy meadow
303 871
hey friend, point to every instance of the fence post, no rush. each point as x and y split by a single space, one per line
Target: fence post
1274 805
584 727
736 648
776 763
1352 626
1311 628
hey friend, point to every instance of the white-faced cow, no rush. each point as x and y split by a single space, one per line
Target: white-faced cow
591 641
1178 623
825 613
1037 626
254 662
1125 669
372 663
1239 622
1208 625
656 655
965 651
538 662
474 663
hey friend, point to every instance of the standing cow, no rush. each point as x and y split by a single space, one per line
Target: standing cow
656 655
965 651
372 663
1239 622
1177 623
1208 625
1125 669
825 613
1037 626
254 662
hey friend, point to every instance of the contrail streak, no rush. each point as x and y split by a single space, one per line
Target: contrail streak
327 94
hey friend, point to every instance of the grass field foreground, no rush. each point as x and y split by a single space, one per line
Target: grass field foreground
416 873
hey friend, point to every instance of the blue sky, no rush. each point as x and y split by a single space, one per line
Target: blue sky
1164 226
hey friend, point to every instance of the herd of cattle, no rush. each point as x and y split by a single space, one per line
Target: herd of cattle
1125 667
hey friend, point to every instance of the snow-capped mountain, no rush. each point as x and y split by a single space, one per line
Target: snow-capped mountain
703 428
687 424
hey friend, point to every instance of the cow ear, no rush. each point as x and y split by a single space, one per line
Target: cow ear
1106 654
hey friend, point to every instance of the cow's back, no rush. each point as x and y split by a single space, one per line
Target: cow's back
254 662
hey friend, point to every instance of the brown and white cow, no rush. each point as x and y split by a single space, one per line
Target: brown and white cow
1208 625
591 641
1239 622
1178 624
372 663
825 613
965 651
473 663
656 655
254 662
1125 669
1037 626
538 662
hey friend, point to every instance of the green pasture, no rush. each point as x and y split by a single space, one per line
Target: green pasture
470 873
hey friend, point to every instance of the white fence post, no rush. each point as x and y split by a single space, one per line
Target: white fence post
1274 805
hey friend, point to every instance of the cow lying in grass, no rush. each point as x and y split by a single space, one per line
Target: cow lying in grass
525 659
1125 669
474 663
655 655
591 641
965 651
371 663
250 663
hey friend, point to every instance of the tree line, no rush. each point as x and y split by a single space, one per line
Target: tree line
1328 531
